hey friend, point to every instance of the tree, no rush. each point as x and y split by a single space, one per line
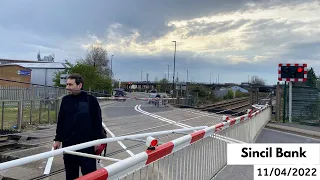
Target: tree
92 79
156 79
311 78
97 57
164 84
257 80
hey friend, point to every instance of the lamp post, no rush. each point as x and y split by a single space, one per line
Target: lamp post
174 65
111 66
168 72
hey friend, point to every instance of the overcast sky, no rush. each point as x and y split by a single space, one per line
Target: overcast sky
232 38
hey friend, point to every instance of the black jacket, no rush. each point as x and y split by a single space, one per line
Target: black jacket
76 123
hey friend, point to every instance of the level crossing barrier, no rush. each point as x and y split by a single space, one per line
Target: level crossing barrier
199 155
161 100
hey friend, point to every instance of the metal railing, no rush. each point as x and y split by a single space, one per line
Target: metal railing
17 114
200 155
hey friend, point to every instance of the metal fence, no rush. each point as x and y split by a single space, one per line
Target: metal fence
20 114
305 105
31 93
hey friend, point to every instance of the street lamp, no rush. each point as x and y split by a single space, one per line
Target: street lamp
174 64
111 66
168 73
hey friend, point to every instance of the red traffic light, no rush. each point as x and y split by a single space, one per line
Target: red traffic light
300 69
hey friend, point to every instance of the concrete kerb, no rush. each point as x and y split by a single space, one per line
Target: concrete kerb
299 131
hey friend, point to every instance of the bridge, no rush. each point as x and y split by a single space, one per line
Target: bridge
183 143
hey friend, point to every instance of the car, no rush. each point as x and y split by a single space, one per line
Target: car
119 93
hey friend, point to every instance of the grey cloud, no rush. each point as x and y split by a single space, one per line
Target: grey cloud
197 28
76 17
298 51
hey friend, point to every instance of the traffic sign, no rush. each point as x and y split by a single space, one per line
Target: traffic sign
63 79
292 72
24 72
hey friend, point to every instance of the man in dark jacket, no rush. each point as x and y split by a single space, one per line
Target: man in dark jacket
79 121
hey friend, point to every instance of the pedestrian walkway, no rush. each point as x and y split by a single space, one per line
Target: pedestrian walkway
310 131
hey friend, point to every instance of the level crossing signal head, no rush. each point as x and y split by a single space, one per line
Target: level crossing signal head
151 143
292 72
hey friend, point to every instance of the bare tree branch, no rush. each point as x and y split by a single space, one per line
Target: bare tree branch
97 56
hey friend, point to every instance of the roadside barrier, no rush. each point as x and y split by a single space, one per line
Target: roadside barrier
199 155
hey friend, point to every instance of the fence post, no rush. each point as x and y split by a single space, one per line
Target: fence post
31 105
49 106
40 108
20 110
2 116
57 108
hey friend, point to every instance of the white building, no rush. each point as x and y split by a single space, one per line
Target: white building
43 73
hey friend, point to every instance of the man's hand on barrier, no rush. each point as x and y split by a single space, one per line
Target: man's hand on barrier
56 145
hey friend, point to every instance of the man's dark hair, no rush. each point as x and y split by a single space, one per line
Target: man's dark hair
77 78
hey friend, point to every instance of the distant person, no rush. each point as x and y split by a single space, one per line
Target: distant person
157 100
164 100
79 121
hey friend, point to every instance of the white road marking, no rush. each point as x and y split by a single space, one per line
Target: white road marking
220 137
137 108
120 143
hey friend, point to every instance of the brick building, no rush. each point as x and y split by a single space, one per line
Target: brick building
15 73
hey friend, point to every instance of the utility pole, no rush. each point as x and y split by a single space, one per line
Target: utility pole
187 75
168 72
187 92
111 73
141 76
111 66
177 77
174 65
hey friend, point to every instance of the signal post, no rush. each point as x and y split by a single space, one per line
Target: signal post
292 73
